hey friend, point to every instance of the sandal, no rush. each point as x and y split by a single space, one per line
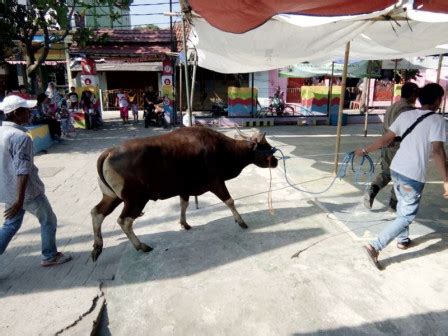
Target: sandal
404 244
373 256
58 259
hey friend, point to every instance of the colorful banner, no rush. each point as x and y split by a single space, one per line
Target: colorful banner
79 120
168 90
88 66
240 101
397 92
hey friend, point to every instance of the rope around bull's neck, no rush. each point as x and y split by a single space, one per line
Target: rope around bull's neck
342 171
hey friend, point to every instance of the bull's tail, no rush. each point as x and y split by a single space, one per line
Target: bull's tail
104 186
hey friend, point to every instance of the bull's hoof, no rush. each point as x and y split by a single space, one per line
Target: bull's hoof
145 248
185 226
96 253
243 225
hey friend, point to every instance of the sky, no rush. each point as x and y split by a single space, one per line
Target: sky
139 7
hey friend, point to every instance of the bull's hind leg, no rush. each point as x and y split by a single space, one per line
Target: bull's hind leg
183 210
221 191
126 219
99 212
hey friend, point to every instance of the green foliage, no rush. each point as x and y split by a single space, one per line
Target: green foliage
407 74
49 19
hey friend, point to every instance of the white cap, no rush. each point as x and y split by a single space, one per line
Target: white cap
13 102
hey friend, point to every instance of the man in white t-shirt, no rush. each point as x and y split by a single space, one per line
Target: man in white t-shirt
408 168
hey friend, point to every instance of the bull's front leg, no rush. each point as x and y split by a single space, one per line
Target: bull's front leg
220 190
183 209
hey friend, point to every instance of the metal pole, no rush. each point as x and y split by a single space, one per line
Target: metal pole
341 107
187 84
439 68
180 90
193 80
330 90
173 117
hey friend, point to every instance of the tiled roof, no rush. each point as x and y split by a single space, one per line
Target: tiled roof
135 35
122 49
140 44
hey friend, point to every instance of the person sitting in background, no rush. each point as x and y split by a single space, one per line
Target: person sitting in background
23 93
44 116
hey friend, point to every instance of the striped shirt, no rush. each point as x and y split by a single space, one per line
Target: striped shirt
16 158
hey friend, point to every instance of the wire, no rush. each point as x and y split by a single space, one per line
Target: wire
137 14
133 5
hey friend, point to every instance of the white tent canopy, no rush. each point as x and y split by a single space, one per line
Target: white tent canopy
290 39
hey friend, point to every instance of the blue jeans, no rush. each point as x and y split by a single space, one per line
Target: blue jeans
409 194
41 208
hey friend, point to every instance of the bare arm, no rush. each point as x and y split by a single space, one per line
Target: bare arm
439 156
382 142
22 182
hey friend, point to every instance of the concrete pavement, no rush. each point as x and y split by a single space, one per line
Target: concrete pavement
218 279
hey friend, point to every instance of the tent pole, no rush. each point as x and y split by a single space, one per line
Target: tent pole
439 68
366 115
330 90
393 81
341 108
252 95
187 86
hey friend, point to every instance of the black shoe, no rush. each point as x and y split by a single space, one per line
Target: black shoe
392 205
404 244
370 195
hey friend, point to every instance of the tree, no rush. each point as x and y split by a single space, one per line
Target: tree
38 25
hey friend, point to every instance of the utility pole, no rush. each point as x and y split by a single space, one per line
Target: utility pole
173 49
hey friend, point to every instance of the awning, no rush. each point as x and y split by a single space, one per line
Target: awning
291 39
47 62
355 70
236 16
142 66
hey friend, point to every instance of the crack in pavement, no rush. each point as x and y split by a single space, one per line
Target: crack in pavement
95 300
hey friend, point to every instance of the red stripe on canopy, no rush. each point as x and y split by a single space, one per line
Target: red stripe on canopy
435 6
239 16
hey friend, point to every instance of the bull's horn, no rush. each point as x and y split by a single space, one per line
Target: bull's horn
241 134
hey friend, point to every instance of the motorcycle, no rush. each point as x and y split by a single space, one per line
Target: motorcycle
219 107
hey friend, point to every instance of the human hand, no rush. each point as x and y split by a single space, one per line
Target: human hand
360 152
13 210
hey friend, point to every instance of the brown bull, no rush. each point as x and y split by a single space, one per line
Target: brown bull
186 162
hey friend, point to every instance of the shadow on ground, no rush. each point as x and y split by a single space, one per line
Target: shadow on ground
176 253
433 323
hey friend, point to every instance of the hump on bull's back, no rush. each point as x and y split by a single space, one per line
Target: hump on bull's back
113 179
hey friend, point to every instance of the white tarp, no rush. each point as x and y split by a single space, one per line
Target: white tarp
291 39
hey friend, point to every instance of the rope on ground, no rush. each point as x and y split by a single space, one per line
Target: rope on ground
296 255
271 208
